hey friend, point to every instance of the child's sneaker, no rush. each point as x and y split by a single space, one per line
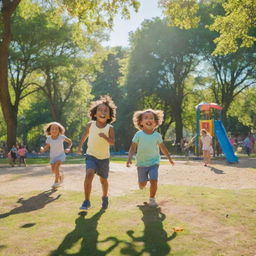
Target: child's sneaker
104 202
152 202
85 205
55 185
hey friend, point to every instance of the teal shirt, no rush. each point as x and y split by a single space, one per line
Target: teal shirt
147 148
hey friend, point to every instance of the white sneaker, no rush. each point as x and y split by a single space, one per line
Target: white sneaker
152 202
55 185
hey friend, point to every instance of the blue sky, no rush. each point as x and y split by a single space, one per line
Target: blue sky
120 34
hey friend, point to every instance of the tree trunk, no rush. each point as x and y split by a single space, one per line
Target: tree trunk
178 127
8 109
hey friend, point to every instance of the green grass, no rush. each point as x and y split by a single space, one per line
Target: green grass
215 222
69 160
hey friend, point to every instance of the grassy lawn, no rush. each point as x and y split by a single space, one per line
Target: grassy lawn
69 160
216 222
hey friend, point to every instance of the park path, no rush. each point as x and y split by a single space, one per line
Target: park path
19 180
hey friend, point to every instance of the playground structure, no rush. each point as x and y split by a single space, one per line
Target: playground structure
208 117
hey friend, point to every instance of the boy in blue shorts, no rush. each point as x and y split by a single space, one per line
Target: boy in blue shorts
147 143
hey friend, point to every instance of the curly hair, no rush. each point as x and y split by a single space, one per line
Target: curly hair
137 117
47 128
107 100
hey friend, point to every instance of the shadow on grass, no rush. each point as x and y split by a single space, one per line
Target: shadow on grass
2 246
33 203
217 171
155 238
86 231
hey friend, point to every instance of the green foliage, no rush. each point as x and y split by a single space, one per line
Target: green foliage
236 26
181 14
244 109
107 80
160 63
88 17
236 127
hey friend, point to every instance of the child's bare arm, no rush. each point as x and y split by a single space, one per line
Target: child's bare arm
84 137
45 148
69 141
166 152
132 150
111 136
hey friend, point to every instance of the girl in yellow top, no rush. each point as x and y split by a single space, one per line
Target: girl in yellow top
100 136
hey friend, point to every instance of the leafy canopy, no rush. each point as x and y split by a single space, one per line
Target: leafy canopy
236 27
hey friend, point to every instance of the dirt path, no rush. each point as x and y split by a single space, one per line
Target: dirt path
18 180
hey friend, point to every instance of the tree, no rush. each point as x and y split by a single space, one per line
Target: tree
50 61
161 61
7 10
108 82
233 74
107 79
93 15
236 27
244 109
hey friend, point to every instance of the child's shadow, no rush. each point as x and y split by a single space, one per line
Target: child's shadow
33 203
155 238
86 230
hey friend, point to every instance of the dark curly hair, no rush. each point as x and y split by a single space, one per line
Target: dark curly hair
137 117
107 100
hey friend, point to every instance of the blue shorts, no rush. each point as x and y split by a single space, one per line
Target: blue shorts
100 166
146 173
60 157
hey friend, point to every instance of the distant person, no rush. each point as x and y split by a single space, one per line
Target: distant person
22 151
100 136
206 143
252 141
146 142
233 142
55 140
248 145
13 152
9 156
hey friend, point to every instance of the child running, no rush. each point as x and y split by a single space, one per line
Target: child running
147 142
206 143
22 155
100 136
55 139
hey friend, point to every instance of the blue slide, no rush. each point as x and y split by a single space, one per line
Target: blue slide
224 142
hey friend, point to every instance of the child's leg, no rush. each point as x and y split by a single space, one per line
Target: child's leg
55 170
205 156
104 185
153 177
88 183
142 184
13 160
153 188
209 157
142 176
